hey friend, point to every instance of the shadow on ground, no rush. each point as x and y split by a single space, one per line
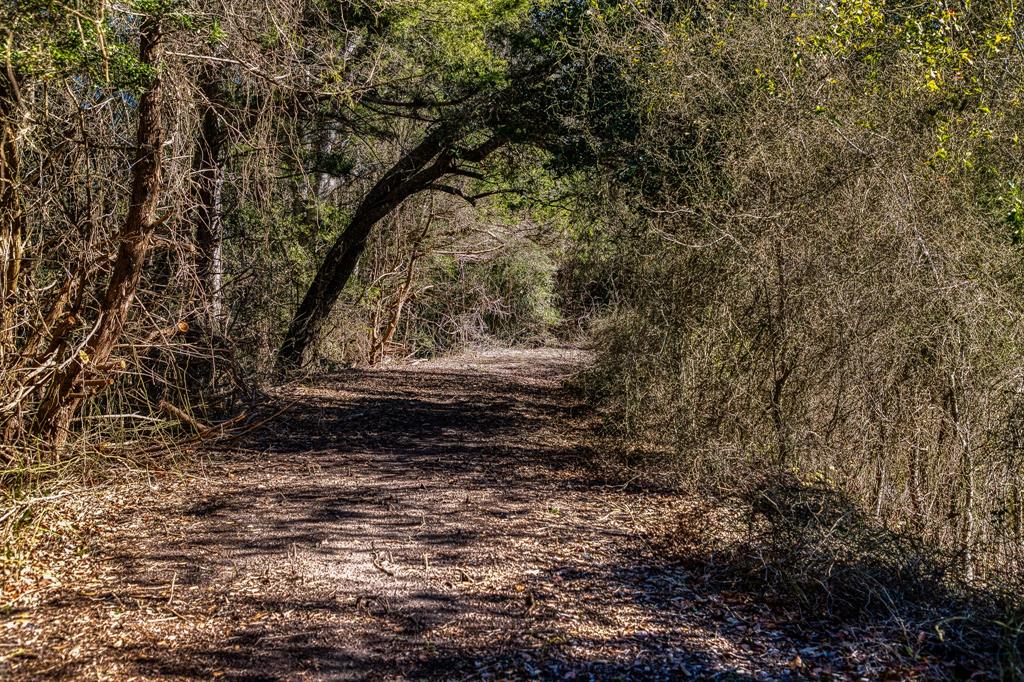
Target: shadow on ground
425 521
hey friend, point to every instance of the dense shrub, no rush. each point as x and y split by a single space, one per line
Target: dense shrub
820 273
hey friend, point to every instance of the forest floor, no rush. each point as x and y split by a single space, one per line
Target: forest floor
430 520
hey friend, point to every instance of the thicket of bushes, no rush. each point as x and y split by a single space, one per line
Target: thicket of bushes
816 268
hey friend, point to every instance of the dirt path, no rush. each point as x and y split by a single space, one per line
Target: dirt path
423 521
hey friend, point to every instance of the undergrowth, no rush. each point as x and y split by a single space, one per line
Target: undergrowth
806 548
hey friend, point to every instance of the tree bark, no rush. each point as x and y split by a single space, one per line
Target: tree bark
207 167
432 159
12 217
65 393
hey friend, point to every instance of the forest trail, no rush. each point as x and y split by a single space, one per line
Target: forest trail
426 520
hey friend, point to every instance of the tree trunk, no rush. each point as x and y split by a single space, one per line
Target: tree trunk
12 217
962 430
403 179
207 217
331 279
65 393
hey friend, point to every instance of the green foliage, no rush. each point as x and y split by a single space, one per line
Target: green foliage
86 39
1013 203
455 37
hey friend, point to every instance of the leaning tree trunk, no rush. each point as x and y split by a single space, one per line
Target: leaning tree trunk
405 178
431 160
68 388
